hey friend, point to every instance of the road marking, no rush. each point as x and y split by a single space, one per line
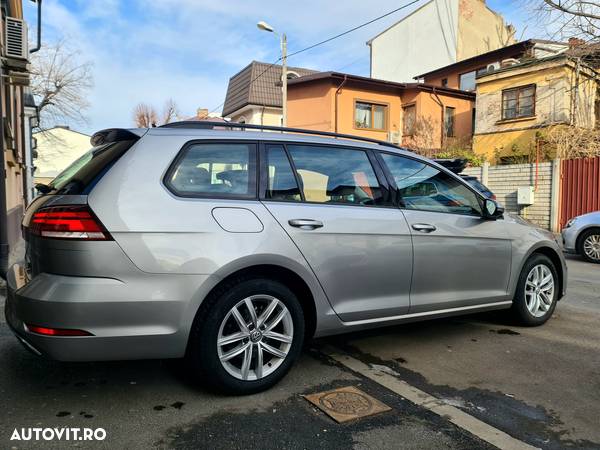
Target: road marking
458 417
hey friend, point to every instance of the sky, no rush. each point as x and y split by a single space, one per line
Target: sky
151 51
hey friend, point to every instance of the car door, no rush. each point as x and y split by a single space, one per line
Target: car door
460 258
330 202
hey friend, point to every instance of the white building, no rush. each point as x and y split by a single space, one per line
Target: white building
439 33
57 148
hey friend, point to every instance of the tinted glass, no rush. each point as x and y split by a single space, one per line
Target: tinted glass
331 175
219 169
87 169
282 183
467 81
426 188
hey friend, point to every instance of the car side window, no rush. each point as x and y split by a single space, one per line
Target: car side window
282 184
426 188
225 170
336 175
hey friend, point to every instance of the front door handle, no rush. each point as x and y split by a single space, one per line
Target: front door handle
424 227
305 224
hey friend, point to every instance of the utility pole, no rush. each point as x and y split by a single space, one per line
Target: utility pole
284 78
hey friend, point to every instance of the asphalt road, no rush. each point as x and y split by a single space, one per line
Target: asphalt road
540 385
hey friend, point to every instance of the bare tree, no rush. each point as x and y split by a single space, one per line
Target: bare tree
60 83
569 19
146 116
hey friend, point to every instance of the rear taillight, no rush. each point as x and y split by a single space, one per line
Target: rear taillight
46 331
68 222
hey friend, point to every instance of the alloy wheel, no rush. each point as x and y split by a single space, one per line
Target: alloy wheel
255 337
591 247
539 290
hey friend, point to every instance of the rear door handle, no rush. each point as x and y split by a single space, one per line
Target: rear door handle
424 227
305 224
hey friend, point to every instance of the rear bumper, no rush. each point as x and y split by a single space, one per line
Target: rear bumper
144 318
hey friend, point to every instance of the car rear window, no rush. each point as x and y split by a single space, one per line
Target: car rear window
84 172
217 170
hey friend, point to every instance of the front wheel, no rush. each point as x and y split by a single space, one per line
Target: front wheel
589 246
537 291
247 336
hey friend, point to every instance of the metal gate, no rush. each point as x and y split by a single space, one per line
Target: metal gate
579 187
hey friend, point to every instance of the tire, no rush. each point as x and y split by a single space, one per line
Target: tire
216 318
523 303
591 238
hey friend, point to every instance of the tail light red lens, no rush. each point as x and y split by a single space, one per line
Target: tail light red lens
68 222
57 331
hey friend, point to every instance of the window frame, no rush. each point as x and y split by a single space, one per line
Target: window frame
404 108
453 129
386 202
398 197
253 165
372 103
518 89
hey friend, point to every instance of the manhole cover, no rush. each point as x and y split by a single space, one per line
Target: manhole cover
346 403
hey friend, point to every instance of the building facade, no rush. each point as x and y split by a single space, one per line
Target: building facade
439 33
517 105
254 94
57 148
415 115
16 112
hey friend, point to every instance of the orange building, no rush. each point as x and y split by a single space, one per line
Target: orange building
414 115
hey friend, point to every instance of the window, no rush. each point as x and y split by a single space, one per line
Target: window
425 188
449 114
282 184
468 81
215 170
518 102
333 175
445 82
409 120
370 116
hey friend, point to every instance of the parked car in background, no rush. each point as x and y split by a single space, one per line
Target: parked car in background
581 235
231 248
457 166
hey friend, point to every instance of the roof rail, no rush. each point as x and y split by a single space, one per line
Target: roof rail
206 125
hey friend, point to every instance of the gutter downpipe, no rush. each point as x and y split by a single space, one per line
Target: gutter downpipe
39 28
337 92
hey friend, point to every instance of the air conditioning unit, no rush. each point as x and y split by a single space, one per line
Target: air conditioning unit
493 67
394 137
16 39
509 62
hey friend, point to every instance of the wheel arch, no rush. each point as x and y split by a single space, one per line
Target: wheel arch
582 232
553 255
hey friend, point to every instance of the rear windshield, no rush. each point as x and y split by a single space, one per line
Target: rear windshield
85 171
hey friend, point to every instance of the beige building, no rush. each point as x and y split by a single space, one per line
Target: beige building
516 105
57 148
439 33
254 94
17 110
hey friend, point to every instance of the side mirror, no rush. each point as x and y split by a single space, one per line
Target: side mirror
491 209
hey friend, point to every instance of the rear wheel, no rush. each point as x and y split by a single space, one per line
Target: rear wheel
537 291
247 336
589 245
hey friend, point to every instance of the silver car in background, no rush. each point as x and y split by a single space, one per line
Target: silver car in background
581 235
232 247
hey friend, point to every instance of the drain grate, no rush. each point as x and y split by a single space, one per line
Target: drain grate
347 403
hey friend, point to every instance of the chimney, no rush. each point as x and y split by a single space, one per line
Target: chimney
202 113
575 42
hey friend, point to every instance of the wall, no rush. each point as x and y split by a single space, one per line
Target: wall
258 115
421 42
57 148
310 105
505 180
481 30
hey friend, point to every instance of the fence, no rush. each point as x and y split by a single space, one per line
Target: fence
580 187
505 180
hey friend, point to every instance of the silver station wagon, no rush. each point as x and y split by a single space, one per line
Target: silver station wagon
231 247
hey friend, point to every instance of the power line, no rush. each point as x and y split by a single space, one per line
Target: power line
310 47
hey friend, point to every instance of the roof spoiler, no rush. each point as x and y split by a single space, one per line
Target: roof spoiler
111 135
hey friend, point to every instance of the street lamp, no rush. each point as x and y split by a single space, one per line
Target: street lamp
266 27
